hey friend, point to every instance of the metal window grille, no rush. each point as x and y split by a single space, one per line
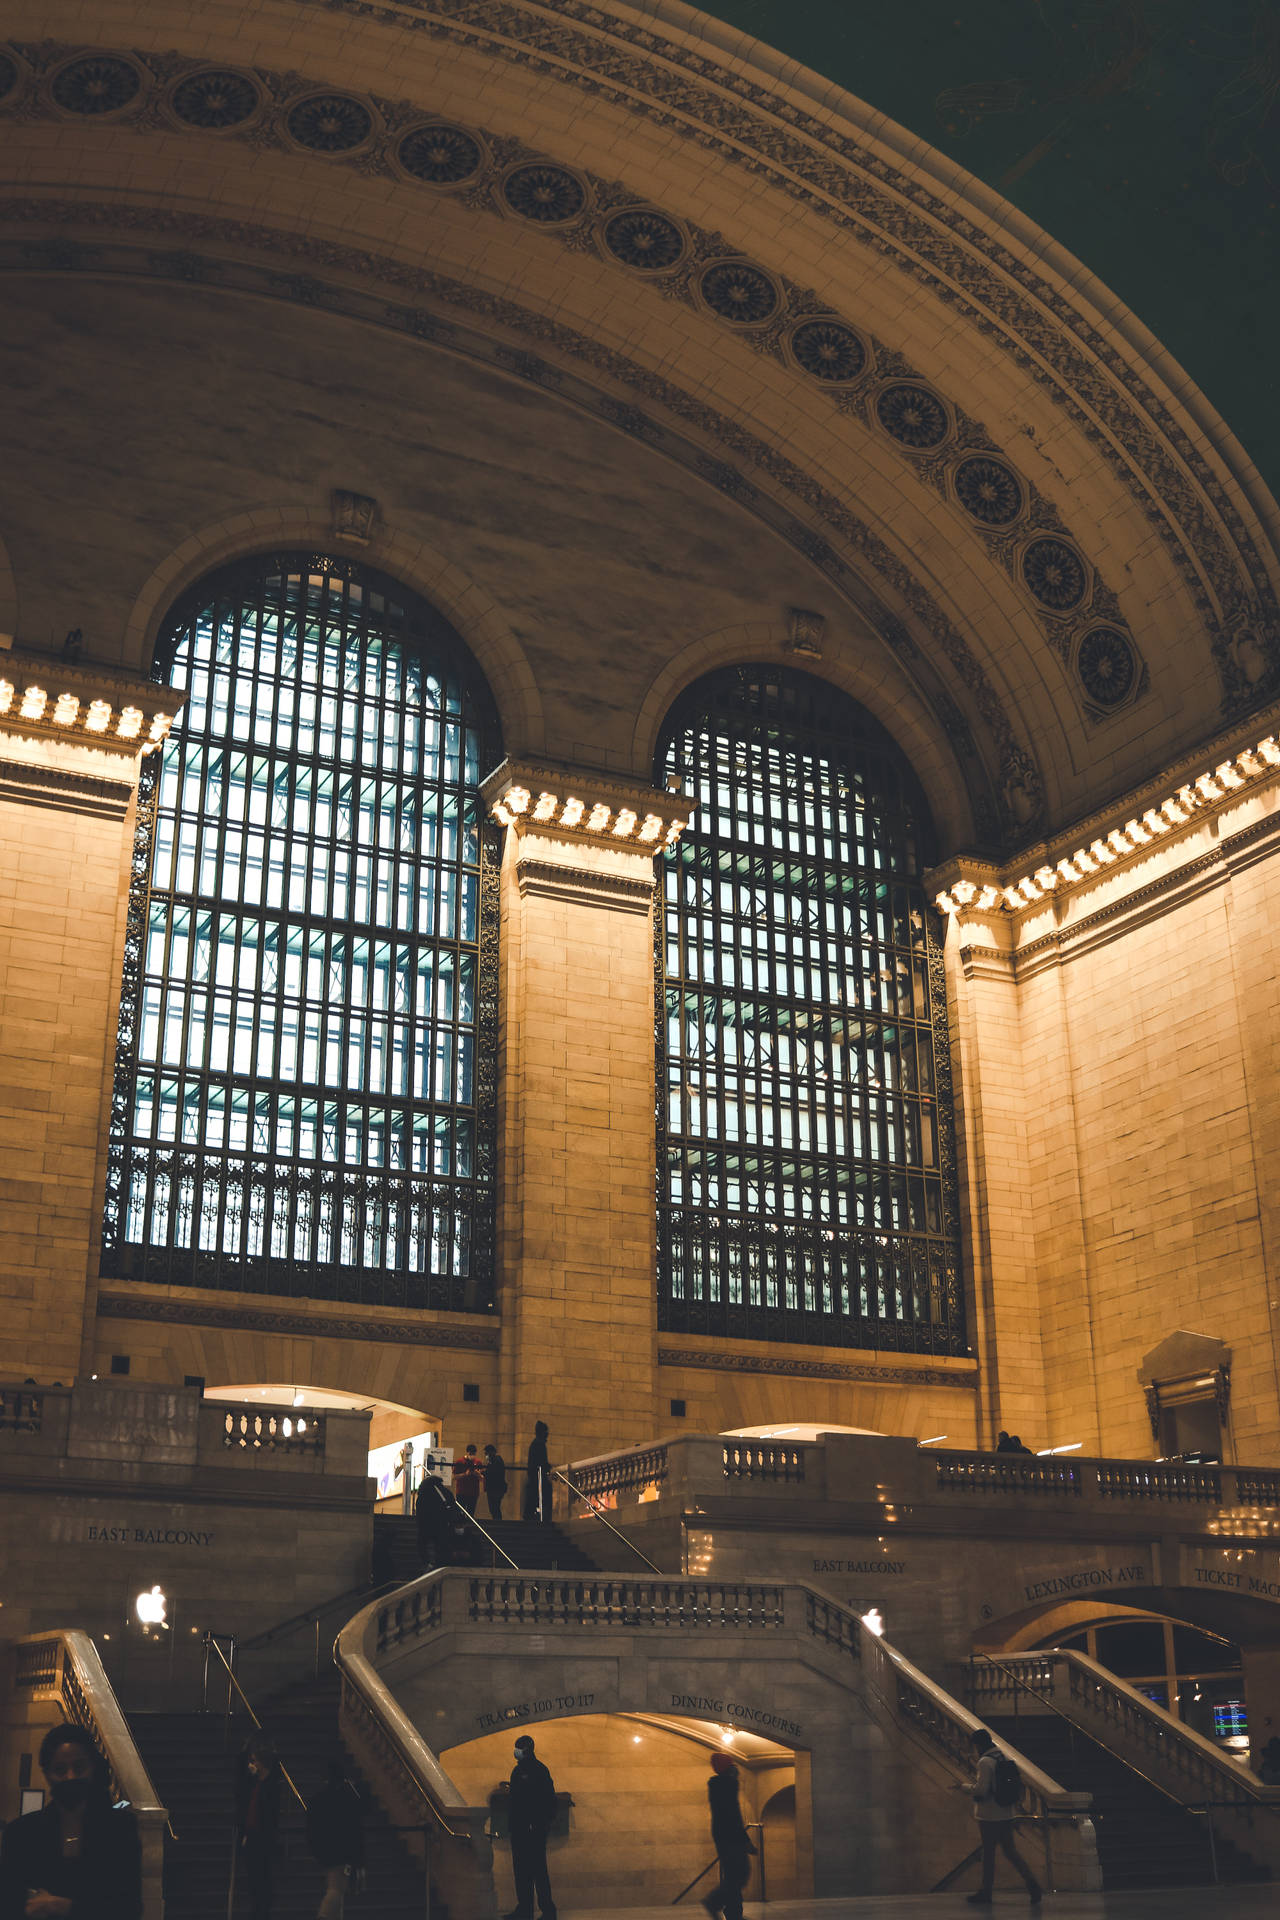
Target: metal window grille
806 1169
305 1083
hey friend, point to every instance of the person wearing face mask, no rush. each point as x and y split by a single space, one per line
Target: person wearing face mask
531 1809
79 1858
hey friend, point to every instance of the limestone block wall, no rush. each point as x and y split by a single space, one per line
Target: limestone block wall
59 907
1120 1109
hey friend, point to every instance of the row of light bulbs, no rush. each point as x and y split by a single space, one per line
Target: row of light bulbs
587 817
68 708
1205 791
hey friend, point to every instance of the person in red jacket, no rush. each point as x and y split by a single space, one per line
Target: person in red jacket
468 1479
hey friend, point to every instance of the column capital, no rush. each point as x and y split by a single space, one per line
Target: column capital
585 807
583 835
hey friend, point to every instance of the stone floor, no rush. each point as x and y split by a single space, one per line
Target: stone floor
1189 1903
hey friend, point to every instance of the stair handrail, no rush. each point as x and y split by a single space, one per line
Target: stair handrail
211 1645
1186 1806
78 1681
588 1500
486 1535
310 1614
418 1762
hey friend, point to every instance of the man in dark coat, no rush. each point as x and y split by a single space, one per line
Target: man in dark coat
495 1480
433 1510
729 1837
531 1808
537 1486
335 1835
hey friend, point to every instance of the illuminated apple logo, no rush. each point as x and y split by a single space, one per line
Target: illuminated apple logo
150 1607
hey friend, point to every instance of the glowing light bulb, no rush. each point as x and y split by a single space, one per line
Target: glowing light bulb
573 812
517 799
625 823
34 701
598 818
65 710
651 826
98 718
129 725
546 806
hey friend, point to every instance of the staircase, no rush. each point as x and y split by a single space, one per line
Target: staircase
542 1549
1144 1839
192 1762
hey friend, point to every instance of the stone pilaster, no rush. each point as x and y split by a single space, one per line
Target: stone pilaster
576 1220
71 741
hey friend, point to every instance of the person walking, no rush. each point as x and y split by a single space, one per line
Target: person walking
729 1837
467 1479
996 1789
537 1485
258 1784
79 1856
495 1480
531 1808
335 1835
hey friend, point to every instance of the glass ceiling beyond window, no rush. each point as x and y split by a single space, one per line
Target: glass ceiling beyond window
305 1075
806 1186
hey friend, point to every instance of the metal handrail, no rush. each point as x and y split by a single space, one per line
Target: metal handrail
486 1535
210 1640
1187 1806
588 1501
304 1619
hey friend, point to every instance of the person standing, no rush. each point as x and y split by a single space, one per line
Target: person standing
729 1837
495 1480
335 1835
996 1790
531 1808
258 1785
466 1480
537 1485
433 1506
80 1856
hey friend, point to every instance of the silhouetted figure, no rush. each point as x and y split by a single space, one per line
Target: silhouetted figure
495 1481
1016 1445
531 1808
537 1485
995 1814
1004 1444
433 1510
335 1835
258 1786
730 1838
73 644
467 1479
80 1855
1269 1763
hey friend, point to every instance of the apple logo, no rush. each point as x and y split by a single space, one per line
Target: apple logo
150 1608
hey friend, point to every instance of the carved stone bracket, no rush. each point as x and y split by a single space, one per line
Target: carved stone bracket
583 835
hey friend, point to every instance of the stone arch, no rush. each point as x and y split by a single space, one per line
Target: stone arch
874 682
471 610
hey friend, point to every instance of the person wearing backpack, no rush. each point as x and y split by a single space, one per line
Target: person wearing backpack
996 1790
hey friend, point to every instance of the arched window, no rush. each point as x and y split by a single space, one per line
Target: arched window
305 1072
806 1185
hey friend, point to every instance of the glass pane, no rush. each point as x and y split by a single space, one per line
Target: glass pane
289 1015
806 1175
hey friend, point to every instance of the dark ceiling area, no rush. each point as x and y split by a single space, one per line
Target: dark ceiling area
1144 135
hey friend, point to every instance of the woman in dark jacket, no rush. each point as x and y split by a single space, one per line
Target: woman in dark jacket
258 1785
79 1858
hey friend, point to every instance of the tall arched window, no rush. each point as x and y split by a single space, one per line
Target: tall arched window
305 1073
806 1185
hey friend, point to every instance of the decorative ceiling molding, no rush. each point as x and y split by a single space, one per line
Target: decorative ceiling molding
844 176
859 375
1004 783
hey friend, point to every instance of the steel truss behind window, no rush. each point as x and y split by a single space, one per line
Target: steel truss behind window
806 1169
305 1074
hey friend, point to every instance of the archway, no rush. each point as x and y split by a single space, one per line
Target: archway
392 1426
632 1827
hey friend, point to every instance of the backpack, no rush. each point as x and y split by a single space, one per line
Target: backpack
1006 1783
